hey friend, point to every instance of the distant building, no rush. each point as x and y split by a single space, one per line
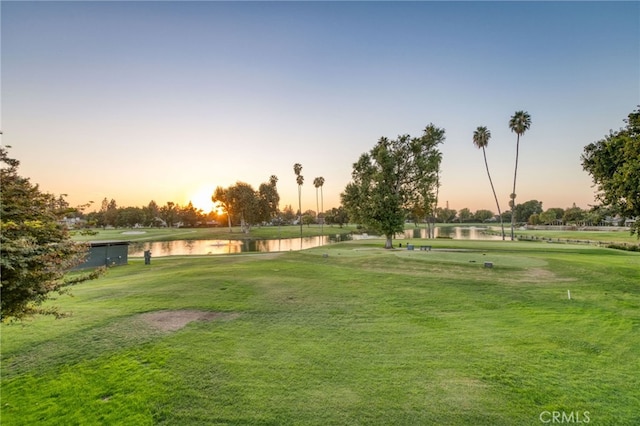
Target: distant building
106 253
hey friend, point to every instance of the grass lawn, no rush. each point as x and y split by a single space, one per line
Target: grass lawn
342 334
624 237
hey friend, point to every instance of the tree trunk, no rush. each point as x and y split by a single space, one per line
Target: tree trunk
513 200
388 244
300 210
317 206
494 192
321 208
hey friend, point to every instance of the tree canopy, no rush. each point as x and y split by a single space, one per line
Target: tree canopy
614 166
36 250
396 176
244 204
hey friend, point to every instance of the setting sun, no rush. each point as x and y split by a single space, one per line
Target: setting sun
201 199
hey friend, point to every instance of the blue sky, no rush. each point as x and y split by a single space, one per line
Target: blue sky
166 100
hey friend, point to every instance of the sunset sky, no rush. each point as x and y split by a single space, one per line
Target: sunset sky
140 101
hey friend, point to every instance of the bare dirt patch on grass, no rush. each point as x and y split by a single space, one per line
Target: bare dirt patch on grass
175 320
541 276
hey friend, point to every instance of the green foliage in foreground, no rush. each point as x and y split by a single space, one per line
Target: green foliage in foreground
36 251
361 336
614 166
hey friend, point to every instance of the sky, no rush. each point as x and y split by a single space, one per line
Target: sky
164 101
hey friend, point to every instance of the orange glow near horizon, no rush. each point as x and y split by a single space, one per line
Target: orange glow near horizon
201 199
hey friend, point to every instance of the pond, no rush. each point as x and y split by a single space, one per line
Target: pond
186 247
454 232
205 247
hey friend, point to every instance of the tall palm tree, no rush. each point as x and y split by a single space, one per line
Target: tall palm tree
519 123
318 182
297 169
481 138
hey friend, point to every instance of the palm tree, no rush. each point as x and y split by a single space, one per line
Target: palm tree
297 169
318 182
519 123
481 138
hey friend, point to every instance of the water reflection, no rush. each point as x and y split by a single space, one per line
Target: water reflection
191 247
454 232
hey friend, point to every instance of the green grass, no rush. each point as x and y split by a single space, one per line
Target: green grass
359 336
624 237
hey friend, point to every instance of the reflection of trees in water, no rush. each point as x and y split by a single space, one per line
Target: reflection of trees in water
200 247
166 247
454 232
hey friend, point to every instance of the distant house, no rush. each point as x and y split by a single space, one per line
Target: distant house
106 253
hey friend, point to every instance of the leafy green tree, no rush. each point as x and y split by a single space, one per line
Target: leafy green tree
269 199
424 200
574 215
129 216
534 219
221 197
465 215
189 215
36 251
337 216
547 217
308 219
523 211
391 179
445 215
595 216
552 216
151 214
245 205
519 124
482 215
169 213
481 138
288 216
614 166
111 214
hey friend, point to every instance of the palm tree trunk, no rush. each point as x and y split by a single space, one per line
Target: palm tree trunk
322 209
435 205
513 200
300 210
317 205
494 191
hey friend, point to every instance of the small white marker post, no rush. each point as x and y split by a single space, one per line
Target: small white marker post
569 294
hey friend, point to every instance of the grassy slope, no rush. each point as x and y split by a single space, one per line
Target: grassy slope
363 336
